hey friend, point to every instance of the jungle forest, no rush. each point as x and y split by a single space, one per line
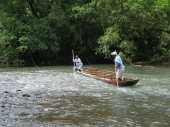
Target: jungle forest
39 31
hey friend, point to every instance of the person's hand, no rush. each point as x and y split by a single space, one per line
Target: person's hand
117 65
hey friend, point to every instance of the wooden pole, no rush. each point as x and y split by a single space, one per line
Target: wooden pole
73 60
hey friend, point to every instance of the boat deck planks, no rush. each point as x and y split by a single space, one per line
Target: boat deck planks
106 76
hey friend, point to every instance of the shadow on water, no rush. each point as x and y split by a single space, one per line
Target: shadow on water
55 96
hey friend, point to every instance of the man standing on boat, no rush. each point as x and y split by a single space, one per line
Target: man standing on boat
118 66
78 63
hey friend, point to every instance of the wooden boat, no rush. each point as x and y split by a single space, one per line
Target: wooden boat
106 76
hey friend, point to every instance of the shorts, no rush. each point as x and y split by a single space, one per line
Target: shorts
78 67
119 73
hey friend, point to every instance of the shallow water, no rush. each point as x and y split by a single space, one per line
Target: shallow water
55 96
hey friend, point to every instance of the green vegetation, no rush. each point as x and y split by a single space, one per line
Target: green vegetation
47 30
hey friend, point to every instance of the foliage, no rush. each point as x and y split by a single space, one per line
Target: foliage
138 29
27 29
139 25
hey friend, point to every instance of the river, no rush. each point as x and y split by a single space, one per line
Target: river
56 97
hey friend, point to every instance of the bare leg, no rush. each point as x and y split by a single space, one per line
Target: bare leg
74 68
117 82
117 78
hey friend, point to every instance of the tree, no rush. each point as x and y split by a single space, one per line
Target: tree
136 28
26 28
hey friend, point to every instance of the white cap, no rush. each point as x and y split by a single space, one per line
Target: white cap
114 53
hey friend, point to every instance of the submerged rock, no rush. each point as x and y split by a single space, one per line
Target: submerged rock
26 95
6 92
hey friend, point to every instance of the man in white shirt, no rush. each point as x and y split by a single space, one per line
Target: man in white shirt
119 66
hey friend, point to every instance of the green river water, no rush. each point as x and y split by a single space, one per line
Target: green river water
56 97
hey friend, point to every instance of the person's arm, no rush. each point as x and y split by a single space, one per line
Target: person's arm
117 64
74 61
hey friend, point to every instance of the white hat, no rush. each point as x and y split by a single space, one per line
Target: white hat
114 53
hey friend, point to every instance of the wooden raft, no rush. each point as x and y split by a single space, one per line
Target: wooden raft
106 76
101 73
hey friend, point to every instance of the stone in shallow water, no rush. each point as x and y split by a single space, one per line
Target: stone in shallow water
26 95
6 92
